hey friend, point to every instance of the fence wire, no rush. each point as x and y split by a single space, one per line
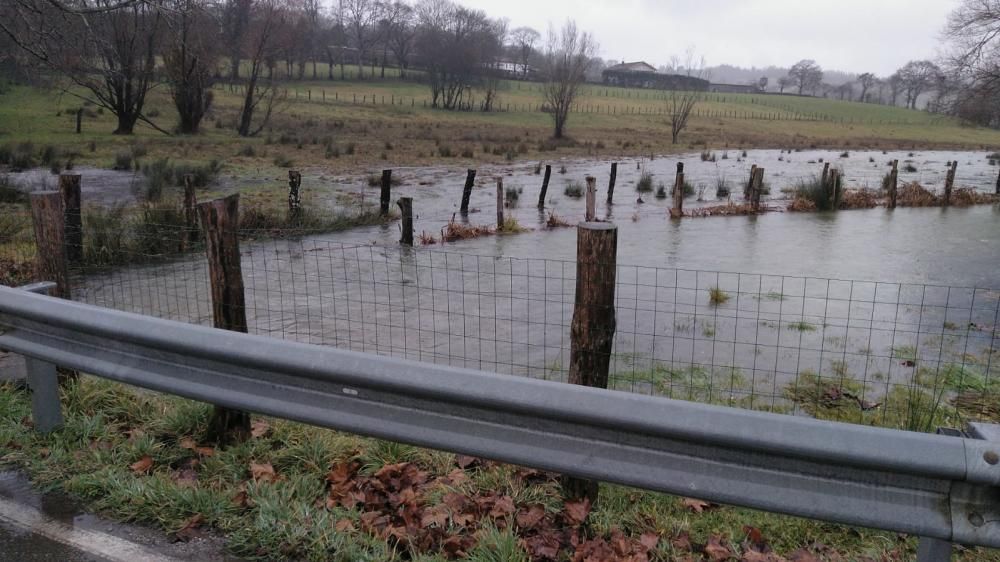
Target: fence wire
910 356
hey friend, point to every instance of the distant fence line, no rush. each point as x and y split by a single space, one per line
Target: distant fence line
781 113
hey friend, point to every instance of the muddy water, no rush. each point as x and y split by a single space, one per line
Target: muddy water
504 303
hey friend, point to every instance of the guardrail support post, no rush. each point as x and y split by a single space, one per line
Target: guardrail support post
593 329
220 222
43 380
933 550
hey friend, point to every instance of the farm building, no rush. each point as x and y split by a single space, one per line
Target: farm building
644 75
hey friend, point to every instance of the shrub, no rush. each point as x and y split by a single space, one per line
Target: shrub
910 168
717 296
661 191
707 156
722 187
993 156
815 193
645 184
511 195
123 161
845 154
687 189
574 190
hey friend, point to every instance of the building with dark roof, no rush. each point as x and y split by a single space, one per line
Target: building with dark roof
644 75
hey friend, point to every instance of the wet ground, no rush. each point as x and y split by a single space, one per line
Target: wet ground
56 519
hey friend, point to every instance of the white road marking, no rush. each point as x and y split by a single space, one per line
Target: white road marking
94 543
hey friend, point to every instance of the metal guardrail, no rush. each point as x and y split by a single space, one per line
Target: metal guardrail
932 486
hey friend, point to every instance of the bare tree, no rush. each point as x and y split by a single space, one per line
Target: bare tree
190 61
568 56
363 26
235 19
106 47
783 83
973 60
266 19
524 40
806 75
917 77
895 83
866 81
400 32
845 91
681 103
458 47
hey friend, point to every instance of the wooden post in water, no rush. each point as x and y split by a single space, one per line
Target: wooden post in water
69 190
998 183
749 185
592 331
470 181
406 210
826 174
294 198
894 184
220 222
591 199
500 218
611 182
386 192
755 190
677 211
190 214
834 189
949 182
548 175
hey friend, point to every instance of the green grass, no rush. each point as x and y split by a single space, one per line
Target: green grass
717 296
801 326
108 427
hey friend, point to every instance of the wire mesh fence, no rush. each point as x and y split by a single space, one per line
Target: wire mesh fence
911 356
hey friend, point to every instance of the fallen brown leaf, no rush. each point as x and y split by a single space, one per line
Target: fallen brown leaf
682 541
716 550
344 526
503 507
697 506
187 443
649 540
530 516
241 499
205 451
259 428
803 555
263 472
577 511
142 465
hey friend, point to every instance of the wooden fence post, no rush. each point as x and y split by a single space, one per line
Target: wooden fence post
190 214
79 121
894 183
611 182
677 211
49 223
548 175
998 183
220 222
50 240
755 190
949 182
749 186
386 191
69 190
470 181
500 218
826 174
592 331
294 199
834 189
406 210
591 199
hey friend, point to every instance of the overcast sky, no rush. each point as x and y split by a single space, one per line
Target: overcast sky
848 35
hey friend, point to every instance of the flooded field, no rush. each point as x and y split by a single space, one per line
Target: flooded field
883 301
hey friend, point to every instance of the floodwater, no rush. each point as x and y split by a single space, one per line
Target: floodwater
876 296
100 187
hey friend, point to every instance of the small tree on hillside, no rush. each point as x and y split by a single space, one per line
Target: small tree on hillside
523 40
865 81
261 95
681 102
567 59
190 61
806 75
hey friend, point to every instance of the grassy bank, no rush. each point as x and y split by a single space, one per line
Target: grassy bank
294 491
